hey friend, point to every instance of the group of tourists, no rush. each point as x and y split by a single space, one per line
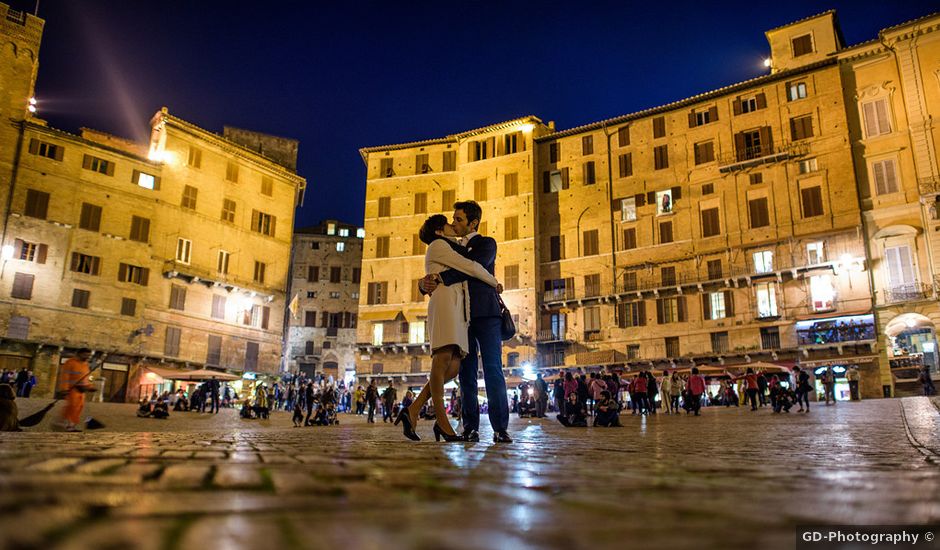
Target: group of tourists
22 381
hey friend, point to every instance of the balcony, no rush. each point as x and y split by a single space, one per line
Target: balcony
928 186
834 335
761 154
593 336
553 359
600 358
911 292
558 295
548 336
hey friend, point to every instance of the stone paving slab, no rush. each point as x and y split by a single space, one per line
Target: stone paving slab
728 479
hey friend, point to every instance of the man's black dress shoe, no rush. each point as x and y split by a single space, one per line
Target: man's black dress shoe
471 435
501 437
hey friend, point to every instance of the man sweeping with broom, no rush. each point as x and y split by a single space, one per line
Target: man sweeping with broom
74 383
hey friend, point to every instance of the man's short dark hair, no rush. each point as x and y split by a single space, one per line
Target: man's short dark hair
471 209
431 226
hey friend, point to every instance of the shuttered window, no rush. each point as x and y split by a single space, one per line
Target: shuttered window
171 346
421 203
554 181
665 232
900 266
385 207
511 228
228 210
80 298
700 117
667 275
591 247
140 229
135 274
96 164
195 157
37 204
177 297
386 169
83 263
22 286
802 45
659 127
631 314
801 127
885 176
260 268
479 190
214 350
422 165
629 238
450 161
128 307
264 223
231 171
672 346
378 293
704 152
418 248
554 152
661 157
759 212
711 224
511 277
717 305
251 356
46 149
30 252
91 217
587 145
812 203
448 199
189 197
381 247
511 184
714 269
588 173
671 310
875 118
623 136
145 180
556 248
626 164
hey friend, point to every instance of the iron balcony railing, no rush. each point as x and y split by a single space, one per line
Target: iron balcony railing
551 335
760 154
559 295
907 293
836 334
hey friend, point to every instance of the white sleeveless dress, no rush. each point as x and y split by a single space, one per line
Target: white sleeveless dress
449 307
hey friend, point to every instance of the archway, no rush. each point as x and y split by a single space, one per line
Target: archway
912 343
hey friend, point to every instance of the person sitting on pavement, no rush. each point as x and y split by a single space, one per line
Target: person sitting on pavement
575 415
605 412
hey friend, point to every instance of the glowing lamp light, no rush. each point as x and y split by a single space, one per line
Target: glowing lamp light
7 252
31 105
767 62
528 372
527 127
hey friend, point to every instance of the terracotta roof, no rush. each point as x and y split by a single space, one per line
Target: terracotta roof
911 22
452 138
827 12
689 100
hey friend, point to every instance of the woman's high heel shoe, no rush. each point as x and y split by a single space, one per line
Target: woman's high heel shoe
407 426
439 433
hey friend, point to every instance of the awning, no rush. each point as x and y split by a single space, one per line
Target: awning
416 314
833 315
389 315
201 374
857 360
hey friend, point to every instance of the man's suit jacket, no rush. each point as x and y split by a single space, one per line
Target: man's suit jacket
484 301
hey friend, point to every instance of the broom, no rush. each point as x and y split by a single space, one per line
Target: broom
37 417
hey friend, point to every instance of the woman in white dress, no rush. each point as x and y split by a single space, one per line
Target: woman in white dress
448 320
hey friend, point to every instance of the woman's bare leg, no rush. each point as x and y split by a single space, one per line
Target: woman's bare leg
440 368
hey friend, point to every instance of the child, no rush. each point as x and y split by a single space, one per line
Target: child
298 414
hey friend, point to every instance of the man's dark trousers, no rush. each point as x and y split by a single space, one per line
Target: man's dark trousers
485 338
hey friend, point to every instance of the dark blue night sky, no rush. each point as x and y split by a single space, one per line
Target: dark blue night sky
340 76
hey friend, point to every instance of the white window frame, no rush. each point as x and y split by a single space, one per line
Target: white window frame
378 330
809 165
145 180
340 246
717 304
184 251
763 261
766 299
660 211
793 91
748 104
628 209
416 332
911 256
816 252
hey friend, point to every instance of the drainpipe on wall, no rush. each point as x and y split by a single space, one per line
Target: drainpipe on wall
610 201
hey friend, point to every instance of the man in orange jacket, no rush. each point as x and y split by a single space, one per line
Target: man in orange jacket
74 381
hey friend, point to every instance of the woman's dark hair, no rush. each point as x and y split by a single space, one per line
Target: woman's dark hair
431 226
568 376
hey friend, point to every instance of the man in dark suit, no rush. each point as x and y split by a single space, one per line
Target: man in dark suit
485 322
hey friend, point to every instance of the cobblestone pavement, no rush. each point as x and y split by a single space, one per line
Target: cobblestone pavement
729 479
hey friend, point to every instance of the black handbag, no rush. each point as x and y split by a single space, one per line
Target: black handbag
507 328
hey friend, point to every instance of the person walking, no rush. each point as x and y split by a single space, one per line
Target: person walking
751 387
74 383
926 381
853 376
676 385
372 397
484 334
452 334
389 396
696 388
214 387
665 390
829 385
761 388
541 396
22 380
802 388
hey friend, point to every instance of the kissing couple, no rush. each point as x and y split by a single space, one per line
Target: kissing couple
464 320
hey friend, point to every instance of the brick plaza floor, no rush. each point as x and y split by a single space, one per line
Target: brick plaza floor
728 479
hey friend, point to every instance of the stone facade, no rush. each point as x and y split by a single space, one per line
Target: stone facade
324 292
892 98
163 253
725 229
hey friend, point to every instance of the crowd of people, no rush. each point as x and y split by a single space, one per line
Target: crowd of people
22 381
